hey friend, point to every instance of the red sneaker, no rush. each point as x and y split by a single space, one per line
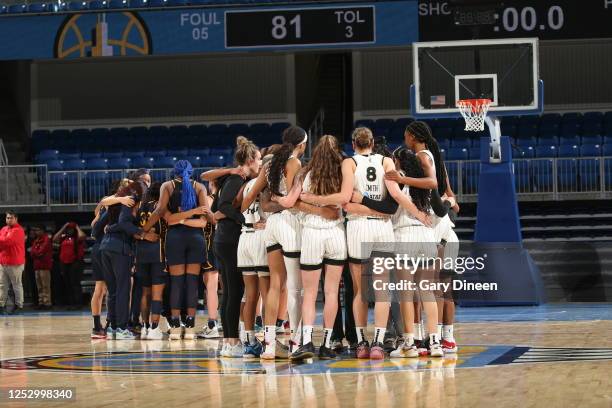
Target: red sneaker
449 346
363 350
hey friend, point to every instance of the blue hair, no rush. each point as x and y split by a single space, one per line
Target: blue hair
183 169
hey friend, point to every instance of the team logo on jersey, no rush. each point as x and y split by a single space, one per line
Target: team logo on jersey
206 361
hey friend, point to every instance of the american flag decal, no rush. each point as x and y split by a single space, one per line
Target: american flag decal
437 100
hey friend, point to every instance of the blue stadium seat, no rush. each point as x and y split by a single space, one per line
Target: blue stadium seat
590 150
570 129
117 4
3 9
546 151
96 164
508 129
278 127
442 152
593 117
198 130
46 155
526 141
384 123
457 153
178 2
143 162
550 118
461 142
74 164
199 152
98 4
55 165
120 163
439 133
38 8
180 153
569 140
164 162
17 8
132 154
551 129
396 134
527 130
239 129
221 151
213 161
157 154
592 129
92 155
114 154
218 128
474 153
77 5
364 123
548 140
607 149
569 151
594 139
139 3
528 120
178 132
69 155
588 170
194 160
571 117
444 143
542 175
524 153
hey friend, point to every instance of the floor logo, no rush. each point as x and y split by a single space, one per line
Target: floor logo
206 361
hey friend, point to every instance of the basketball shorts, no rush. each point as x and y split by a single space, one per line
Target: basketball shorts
365 235
252 255
416 241
185 246
323 246
284 231
442 227
151 273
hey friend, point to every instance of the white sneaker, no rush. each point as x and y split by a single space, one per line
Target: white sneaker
280 329
143 333
208 333
155 334
190 333
124 334
435 350
404 350
176 333
235 351
224 349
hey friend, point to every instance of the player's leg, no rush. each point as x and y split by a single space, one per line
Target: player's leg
278 278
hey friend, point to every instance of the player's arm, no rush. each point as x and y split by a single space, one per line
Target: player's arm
346 190
386 206
429 182
328 212
112 200
214 174
290 199
266 203
401 198
451 194
360 209
260 184
160 208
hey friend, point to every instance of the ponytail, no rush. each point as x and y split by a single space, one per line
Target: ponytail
422 133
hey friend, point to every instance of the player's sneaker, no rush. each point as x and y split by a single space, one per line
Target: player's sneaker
390 344
363 350
143 333
435 349
326 353
110 333
404 350
449 346
337 345
235 351
124 334
176 333
303 352
293 346
252 351
280 351
377 352
224 349
280 329
208 333
190 333
98 334
155 334
422 347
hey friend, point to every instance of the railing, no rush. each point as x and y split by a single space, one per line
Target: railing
33 186
3 155
315 131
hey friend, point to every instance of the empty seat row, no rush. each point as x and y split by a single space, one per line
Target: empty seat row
136 162
47 155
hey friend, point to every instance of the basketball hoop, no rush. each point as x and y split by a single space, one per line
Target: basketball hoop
474 112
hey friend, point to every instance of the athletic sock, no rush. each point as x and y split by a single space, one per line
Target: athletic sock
270 338
190 321
279 322
97 324
360 334
379 334
447 332
327 333
154 325
433 338
307 334
258 321
250 337
241 331
212 323
408 339
174 322
418 331
439 332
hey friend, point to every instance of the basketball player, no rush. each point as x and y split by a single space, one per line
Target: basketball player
185 200
420 243
97 232
227 235
150 269
364 172
323 244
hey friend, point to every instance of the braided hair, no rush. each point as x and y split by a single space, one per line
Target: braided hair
411 166
381 147
292 136
422 133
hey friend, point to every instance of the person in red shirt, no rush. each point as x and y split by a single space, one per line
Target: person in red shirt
42 257
12 261
72 251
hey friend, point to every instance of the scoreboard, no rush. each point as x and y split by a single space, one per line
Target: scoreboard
545 19
193 30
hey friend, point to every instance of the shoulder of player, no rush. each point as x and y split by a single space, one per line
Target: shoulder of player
388 164
350 162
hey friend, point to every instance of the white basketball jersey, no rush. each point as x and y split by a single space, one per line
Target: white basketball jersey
402 218
312 220
253 214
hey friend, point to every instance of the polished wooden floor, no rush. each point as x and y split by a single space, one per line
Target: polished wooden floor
436 383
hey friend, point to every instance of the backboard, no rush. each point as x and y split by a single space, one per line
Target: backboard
505 71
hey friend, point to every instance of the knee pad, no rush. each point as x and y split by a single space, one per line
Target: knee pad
177 285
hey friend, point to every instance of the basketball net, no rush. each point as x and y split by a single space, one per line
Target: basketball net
474 112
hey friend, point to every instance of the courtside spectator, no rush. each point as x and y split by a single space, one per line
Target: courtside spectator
12 260
71 254
42 259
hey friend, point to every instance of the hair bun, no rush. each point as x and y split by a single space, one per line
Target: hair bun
241 141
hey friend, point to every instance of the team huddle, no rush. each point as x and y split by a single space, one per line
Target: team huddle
274 229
